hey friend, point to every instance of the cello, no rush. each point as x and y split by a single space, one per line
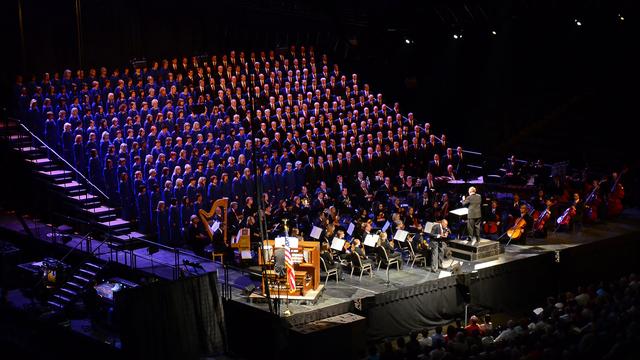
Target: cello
490 227
566 216
614 202
539 223
518 228
592 203
516 231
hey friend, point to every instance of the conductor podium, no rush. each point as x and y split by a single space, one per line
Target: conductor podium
306 264
483 250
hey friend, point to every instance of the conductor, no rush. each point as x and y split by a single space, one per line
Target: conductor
473 225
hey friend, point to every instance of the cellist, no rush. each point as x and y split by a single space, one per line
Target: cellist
521 226
492 224
541 224
572 216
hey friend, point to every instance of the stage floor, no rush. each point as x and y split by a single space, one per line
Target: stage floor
338 297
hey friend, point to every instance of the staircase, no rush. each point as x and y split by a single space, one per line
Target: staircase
63 183
71 291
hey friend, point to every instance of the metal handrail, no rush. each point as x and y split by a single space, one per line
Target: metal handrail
19 122
147 242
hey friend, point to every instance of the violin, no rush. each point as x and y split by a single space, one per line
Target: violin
517 229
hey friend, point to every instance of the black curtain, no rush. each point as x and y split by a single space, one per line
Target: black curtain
515 285
181 319
400 311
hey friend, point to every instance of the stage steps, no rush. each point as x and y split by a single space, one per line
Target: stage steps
71 291
481 251
80 199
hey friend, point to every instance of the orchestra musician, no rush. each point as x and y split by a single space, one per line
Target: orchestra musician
573 215
439 233
492 223
389 246
326 255
357 247
522 225
541 224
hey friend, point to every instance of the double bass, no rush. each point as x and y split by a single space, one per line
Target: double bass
614 202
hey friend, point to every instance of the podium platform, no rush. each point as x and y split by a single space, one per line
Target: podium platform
481 251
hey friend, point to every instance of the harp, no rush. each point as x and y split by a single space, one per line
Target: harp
207 217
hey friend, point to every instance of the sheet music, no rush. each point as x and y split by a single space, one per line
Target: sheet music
428 226
279 241
460 212
293 242
350 229
245 254
401 235
371 240
337 244
215 226
316 232
238 235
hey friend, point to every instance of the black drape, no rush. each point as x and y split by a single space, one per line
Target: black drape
182 319
400 311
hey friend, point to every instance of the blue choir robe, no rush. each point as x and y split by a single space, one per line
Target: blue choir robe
51 133
154 199
174 224
79 158
126 200
185 215
95 172
162 226
67 146
144 218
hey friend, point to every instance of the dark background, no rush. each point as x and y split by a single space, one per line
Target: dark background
541 87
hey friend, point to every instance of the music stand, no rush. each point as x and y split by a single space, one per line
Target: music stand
315 233
337 244
460 213
401 235
351 228
371 240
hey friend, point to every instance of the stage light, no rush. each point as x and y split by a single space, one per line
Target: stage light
620 17
494 33
455 36
578 22
407 41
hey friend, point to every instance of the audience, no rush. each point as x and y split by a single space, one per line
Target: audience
598 321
